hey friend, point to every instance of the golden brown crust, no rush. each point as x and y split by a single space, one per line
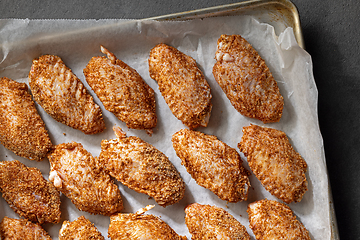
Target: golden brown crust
182 84
280 169
213 164
273 220
76 173
211 222
21 128
246 80
140 226
122 91
143 168
11 229
81 228
28 193
63 96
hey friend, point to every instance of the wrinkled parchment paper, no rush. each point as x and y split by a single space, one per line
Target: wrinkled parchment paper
76 41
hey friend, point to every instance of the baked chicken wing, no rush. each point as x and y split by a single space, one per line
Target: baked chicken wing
139 226
246 80
141 167
28 193
76 173
80 229
280 169
122 91
13 229
63 96
274 220
21 128
182 84
210 222
213 164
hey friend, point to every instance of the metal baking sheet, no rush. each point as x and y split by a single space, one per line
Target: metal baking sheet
278 13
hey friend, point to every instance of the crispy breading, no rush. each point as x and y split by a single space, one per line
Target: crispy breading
211 222
138 226
280 169
274 220
143 168
122 91
77 174
182 84
12 229
28 193
21 128
63 96
213 164
81 228
246 80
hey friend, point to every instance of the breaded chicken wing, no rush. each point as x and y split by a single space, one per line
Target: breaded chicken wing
13 229
280 169
21 128
76 173
80 229
213 164
140 226
28 193
211 222
274 220
122 91
246 80
63 96
182 84
141 167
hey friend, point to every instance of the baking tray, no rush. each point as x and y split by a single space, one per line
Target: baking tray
281 14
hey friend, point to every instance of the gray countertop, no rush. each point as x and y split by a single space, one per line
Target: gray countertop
331 34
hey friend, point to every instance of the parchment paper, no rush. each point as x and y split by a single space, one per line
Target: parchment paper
76 41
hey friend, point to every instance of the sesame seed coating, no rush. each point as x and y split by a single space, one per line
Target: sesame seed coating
246 80
63 96
211 222
280 169
21 128
143 168
182 84
137 226
274 220
122 91
77 174
28 193
11 229
213 164
81 228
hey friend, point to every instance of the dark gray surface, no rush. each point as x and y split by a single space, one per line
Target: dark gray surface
330 29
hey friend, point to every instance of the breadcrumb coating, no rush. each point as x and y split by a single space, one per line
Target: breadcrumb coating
63 96
274 220
182 84
246 80
81 228
12 229
28 193
213 164
143 168
77 174
280 169
122 91
139 226
21 128
211 222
